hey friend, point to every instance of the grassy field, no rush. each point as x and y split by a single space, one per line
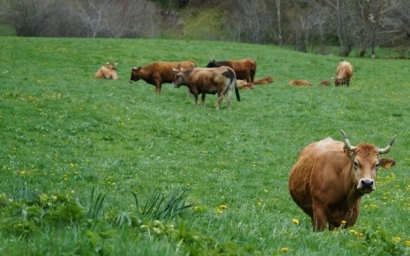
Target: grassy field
97 167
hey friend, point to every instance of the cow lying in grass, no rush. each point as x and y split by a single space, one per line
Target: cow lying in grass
220 81
107 71
158 73
266 80
299 83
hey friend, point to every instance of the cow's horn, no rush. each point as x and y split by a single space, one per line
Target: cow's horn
347 143
387 149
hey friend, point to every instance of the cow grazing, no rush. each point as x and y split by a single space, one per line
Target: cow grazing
299 83
324 83
220 80
244 69
158 73
344 73
330 177
266 80
107 71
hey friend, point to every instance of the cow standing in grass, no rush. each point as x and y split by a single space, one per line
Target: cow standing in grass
344 73
158 73
107 71
244 69
330 177
220 81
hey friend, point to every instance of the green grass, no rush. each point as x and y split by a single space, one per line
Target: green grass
74 147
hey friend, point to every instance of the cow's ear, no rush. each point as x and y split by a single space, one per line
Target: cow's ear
387 163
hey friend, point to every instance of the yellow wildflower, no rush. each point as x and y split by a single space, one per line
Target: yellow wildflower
284 249
223 207
396 239
296 221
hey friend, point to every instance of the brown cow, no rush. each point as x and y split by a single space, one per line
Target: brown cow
221 80
107 71
330 177
244 69
344 73
300 83
158 73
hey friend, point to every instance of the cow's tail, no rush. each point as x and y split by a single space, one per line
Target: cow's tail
238 97
230 74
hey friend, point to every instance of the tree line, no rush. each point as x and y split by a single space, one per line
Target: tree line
363 24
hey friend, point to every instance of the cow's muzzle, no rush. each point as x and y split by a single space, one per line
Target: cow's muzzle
366 185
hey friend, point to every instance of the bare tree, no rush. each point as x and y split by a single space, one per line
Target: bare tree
254 18
279 22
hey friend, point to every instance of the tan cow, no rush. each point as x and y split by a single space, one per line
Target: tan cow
299 83
344 73
330 177
244 85
266 80
158 73
107 71
220 80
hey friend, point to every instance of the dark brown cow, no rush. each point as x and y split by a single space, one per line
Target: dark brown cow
344 73
107 71
244 69
299 83
221 80
158 73
330 177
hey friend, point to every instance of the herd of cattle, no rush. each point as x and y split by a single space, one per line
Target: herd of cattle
329 177
215 78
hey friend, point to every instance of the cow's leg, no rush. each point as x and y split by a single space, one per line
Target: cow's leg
158 88
203 99
352 215
196 99
220 97
229 98
319 219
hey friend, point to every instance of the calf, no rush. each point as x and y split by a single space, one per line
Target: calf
220 80
107 71
158 73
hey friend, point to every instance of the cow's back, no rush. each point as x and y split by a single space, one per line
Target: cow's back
344 70
308 171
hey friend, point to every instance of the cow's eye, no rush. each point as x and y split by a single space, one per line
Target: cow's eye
356 165
377 166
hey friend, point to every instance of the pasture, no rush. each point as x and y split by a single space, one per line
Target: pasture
80 157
